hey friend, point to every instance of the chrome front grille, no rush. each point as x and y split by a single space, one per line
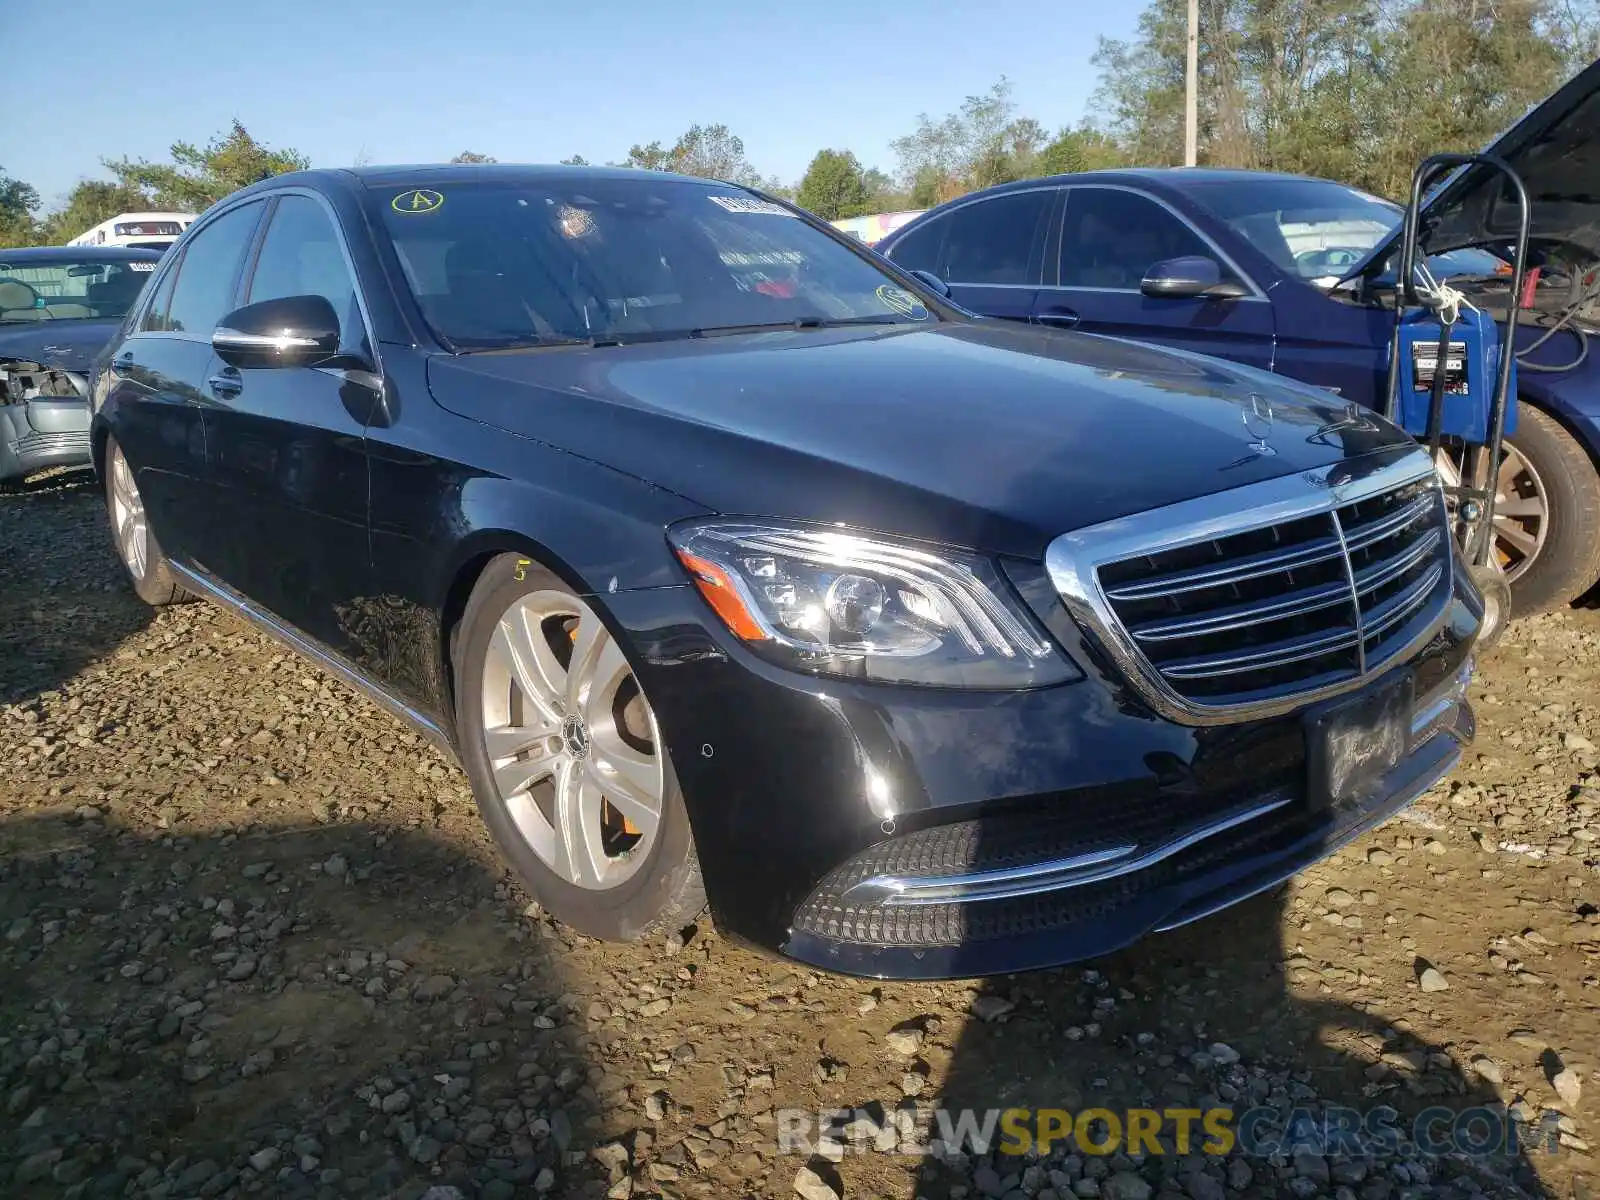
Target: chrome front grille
1263 598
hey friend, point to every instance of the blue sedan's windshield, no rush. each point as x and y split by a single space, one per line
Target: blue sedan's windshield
1319 230
502 264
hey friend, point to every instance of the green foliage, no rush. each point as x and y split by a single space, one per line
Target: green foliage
709 151
89 203
577 160
1081 149
1355 90
834 186
472 156
197 177
18 202
979 145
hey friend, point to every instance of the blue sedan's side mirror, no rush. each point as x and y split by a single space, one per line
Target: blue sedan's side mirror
1188 277
933 281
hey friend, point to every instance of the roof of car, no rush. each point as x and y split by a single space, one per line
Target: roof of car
1171 180
54 254
437 174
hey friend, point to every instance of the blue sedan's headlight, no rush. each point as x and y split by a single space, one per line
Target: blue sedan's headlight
834 602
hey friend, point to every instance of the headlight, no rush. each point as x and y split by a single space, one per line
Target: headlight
839 603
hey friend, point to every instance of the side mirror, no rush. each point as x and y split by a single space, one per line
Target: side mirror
1193 275
295 331
939 286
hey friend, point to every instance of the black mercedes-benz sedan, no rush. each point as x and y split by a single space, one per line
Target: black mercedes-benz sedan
58 307
741 570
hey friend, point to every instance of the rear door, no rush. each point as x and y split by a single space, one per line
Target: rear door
1109 237
154 396
286 463
990 251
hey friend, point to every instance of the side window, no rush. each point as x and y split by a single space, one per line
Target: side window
301 256
919 249
1110 238
155 314
203 294
992 241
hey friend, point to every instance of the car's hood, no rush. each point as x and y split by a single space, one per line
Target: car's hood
993 436
1555 148
69 345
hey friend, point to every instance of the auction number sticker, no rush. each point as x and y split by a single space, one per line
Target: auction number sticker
141 266
749 204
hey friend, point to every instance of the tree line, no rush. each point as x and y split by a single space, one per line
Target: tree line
1354 90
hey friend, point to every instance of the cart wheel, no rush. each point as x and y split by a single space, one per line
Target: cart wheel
1492 582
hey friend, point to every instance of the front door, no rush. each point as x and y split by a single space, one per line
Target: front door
286 460
1109 238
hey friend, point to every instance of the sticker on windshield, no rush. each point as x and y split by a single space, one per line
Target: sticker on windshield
748 204
903 302
141 266
417 200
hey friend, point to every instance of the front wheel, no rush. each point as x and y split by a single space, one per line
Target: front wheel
152 579
1547 514
566 761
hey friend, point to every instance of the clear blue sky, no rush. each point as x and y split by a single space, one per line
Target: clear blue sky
523 80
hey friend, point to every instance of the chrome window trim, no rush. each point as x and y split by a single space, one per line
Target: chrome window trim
1256 294
1073 559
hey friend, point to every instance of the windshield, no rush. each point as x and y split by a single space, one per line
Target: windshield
1309 227
147 229
500 265
1320 230
69 290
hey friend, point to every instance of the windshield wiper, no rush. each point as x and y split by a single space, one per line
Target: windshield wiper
797 323
602 340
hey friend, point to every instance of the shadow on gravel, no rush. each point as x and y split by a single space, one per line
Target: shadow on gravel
301 1011
1203 1019
64 598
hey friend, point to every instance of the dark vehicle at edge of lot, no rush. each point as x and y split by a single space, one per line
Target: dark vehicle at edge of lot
739 568
1303 285
59 305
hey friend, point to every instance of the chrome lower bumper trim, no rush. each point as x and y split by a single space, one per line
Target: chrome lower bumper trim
1011 882
1441 712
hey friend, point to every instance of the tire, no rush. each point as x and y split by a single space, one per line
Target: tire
551 775
148 569
1568 561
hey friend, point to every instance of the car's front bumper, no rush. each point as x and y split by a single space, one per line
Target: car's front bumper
41 433
800 788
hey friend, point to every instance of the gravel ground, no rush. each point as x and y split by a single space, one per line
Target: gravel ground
253 941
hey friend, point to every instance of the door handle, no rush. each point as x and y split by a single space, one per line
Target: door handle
1063 317
226 384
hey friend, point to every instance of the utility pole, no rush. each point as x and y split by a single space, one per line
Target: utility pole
1191 89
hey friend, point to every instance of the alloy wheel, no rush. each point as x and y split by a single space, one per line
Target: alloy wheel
127 516
572 743
1521 509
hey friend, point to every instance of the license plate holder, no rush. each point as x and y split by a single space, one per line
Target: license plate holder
1352 742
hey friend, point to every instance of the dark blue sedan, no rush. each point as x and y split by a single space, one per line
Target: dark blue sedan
1294 275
